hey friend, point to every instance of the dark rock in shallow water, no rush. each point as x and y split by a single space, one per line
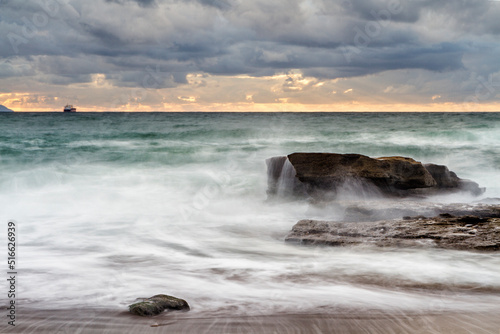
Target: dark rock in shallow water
444 231
157 304
323 176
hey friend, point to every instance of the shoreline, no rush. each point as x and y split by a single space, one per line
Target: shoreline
119 321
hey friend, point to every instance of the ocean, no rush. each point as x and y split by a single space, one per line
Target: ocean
110 207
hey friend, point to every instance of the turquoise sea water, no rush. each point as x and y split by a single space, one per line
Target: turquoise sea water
115 206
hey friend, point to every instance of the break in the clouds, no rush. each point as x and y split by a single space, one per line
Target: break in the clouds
189 54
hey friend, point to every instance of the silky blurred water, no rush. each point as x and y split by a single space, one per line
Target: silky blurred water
115 206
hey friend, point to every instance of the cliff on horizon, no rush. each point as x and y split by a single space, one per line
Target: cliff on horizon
5 109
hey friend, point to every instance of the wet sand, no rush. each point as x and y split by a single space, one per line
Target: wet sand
81 321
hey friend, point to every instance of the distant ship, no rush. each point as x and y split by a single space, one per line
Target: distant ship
69 108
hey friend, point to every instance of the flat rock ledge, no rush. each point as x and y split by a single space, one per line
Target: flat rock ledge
157 304
443 231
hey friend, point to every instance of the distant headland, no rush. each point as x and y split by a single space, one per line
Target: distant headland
5 109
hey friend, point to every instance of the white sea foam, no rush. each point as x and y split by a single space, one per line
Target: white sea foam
98 232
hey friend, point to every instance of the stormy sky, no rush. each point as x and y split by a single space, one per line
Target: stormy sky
244 55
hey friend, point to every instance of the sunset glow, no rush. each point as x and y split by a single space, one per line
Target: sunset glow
162 55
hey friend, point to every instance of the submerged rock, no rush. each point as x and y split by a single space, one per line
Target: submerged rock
444 231
323 176
383 210
157 304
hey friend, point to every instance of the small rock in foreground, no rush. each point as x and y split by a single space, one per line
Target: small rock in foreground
157 304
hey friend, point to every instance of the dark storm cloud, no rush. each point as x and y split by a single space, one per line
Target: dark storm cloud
438 58
143 3
9 69
105 36
124 39
410 11
221 4
407 10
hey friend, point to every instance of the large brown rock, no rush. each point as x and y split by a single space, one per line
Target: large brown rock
323 175
324 171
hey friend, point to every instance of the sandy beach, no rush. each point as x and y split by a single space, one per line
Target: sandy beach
115 321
